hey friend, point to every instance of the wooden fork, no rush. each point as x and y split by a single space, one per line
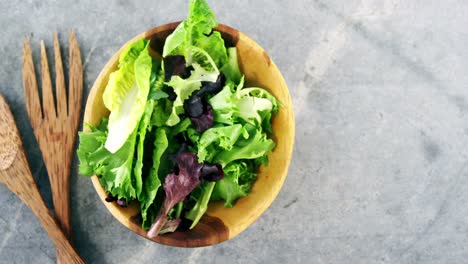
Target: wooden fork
55 128
16 175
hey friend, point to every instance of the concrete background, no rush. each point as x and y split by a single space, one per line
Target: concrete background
380 90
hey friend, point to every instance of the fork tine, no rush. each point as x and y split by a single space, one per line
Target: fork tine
75 85
47 96
31 93
59 81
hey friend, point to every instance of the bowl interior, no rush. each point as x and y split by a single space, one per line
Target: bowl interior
219 223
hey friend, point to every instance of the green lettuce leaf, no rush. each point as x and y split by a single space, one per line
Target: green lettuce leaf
200 23
90 142
152 181
180 127
260 93
126 93
197 31
214 45
245 105
113 169
193 135
200 18
200 207
162 112
216 139
249 108
143 128
156 95
176 42
255 146
237 182
231 68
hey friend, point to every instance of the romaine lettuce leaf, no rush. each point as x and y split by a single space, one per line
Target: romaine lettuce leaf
143 128
201 21
214 45
231 68
126 93
176 41
141 134
200 18
152 182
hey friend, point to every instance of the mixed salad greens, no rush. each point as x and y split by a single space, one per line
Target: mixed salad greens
182 131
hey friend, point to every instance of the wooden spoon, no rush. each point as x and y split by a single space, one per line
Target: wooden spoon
16 175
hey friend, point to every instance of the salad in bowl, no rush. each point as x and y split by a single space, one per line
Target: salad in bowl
185 129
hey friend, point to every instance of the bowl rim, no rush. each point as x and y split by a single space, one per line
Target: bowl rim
224 233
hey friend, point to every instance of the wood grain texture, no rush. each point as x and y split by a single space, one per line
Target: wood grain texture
60 88
220 223
31 96
48 104
75 85
56 132
16 175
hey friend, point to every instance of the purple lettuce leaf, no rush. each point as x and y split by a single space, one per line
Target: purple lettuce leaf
212 87
212 172
194 106
177 187
173 65
204 121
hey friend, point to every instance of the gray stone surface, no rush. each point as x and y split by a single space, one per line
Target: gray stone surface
379 173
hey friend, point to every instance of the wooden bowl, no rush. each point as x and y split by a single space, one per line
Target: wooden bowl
219 223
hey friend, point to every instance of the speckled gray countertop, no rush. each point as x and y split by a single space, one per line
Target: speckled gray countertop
380 90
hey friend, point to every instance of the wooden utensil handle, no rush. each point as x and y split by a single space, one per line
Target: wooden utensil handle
59 177
66 253
26 189
60 187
